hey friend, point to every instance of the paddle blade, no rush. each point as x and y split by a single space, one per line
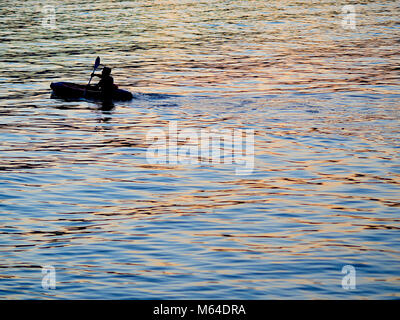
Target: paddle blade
96 63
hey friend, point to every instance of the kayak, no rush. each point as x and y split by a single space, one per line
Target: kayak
71 90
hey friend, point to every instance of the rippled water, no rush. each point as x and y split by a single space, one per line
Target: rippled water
77 191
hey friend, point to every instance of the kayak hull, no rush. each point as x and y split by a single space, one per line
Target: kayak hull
69 90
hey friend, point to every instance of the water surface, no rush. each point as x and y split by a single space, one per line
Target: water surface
77 192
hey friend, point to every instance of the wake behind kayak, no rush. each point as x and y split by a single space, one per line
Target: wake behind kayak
69 90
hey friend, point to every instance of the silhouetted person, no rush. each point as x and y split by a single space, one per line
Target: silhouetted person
106 83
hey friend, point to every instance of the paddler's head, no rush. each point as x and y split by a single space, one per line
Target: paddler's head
106 71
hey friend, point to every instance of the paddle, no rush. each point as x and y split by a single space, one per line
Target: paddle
96 64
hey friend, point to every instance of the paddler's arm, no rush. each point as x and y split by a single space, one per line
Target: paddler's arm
93 85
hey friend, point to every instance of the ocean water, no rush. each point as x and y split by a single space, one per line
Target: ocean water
78 191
